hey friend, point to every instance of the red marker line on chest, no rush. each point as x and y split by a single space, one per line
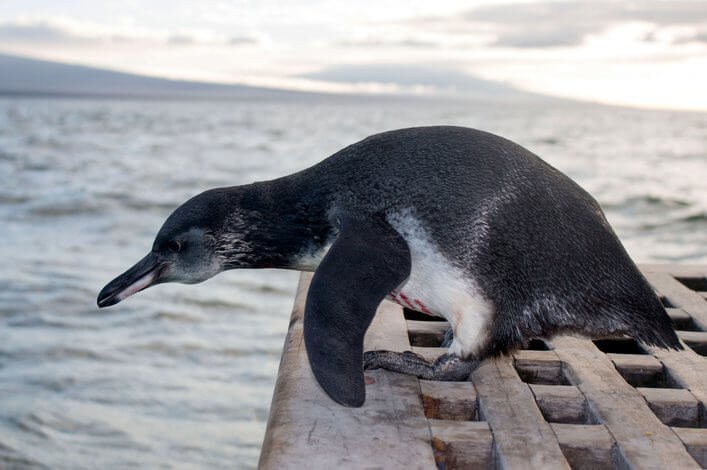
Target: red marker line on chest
413 304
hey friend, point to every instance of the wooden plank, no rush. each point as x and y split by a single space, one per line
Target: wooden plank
695 441
642 440
536 358
462 444
686 369
561 403
673 406
522 437
539 367
586 446
681 319
696 340
449 400
307 429
675 270
680 296
639 370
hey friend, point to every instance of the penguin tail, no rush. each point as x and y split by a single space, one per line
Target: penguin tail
649 323
664 338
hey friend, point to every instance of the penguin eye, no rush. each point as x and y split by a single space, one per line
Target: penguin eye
174 246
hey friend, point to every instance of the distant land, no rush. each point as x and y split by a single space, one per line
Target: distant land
20 75
26 76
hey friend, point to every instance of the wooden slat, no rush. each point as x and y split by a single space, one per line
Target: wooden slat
695 441
679 317
522 437
306 429
684 367
449 400
673 406
643 441
561 403
687 369
680 296
586 446
539 367
696 340
462 444
638 370
676 270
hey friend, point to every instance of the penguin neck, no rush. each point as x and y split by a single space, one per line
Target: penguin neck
276 223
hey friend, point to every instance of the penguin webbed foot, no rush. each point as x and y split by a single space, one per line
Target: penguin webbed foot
447 367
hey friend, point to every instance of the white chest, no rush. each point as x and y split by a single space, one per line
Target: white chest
437 287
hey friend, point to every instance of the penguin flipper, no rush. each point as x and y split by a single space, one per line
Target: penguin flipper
367 260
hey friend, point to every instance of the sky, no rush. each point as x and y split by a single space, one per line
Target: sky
648 53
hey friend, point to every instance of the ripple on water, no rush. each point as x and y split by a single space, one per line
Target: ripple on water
177 317
12 459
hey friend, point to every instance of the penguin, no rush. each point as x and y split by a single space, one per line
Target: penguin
448 221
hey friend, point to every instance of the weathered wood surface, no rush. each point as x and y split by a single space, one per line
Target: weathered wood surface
450 400
571 406
561 403
695 441
306 429
679 295
462 444
522 438
643 441
673 406
586 446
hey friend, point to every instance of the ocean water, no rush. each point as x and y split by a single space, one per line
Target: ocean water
182 376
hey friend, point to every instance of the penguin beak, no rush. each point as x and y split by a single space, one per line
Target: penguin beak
141 276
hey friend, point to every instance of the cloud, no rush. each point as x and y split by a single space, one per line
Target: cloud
181 40
696 37
412 77
242 40
408 42
540 38
38 32
567 23
58 31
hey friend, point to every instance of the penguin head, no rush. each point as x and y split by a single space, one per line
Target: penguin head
197 241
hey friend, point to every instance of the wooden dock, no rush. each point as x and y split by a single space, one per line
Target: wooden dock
568 403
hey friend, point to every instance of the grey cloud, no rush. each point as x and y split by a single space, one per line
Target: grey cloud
698 36
241 40
180 40
412 43
596 15
37 32
44 32
187 40
552 24
540 39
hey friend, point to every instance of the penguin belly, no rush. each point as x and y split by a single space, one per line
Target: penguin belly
439 288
